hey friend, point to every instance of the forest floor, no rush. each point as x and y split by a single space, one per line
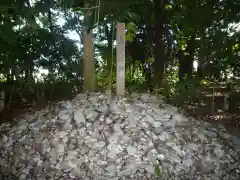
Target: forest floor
211 108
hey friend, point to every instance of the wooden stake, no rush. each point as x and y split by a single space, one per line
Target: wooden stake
120 84
226 101
213 99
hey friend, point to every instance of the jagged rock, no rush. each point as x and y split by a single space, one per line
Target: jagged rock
132 150
79 117
112 169
129 169
98 145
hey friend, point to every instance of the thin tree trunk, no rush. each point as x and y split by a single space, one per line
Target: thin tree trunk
88 59
159 49
186 61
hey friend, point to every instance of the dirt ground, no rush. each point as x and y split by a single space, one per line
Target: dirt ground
210 107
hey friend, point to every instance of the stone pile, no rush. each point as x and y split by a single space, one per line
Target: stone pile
86 139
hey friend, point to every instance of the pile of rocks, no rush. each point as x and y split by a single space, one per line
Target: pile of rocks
87 139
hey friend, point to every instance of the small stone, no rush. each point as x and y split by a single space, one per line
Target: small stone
22 177
79 118
98 145
160 157
145 98
129 169
148 119
117 129
89 113
77 172
114 149
108 120
152 156
150 169
112 169
132 150
114 138
61 148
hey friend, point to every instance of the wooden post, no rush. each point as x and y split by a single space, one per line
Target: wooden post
226 101
213 101
120 84
226 95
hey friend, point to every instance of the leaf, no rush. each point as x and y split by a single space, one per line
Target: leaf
168 6
131 27
157 170
129 37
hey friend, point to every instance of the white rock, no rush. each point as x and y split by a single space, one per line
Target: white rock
132 150
77 172
187 163
150 169
64 115
98 145
88 113
23 126
157 124
114 149
126 140
72 154
148 119
101 163
161 157
164 136
61 148
114 138
9 142
132 120
79 117
145 97
74 163
62 134
68 105
89 140
129 169
93 99
108 120
112 169
103 108
117 129
82 132
152 156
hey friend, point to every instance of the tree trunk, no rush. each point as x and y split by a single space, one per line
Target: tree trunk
159 49
200 69
29 71
201 61
186 60
88 62
88 59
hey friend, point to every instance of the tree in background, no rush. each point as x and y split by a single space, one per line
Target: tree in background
163 41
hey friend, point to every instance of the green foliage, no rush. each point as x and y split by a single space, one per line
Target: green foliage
186 90
31 38
131 31
169 84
